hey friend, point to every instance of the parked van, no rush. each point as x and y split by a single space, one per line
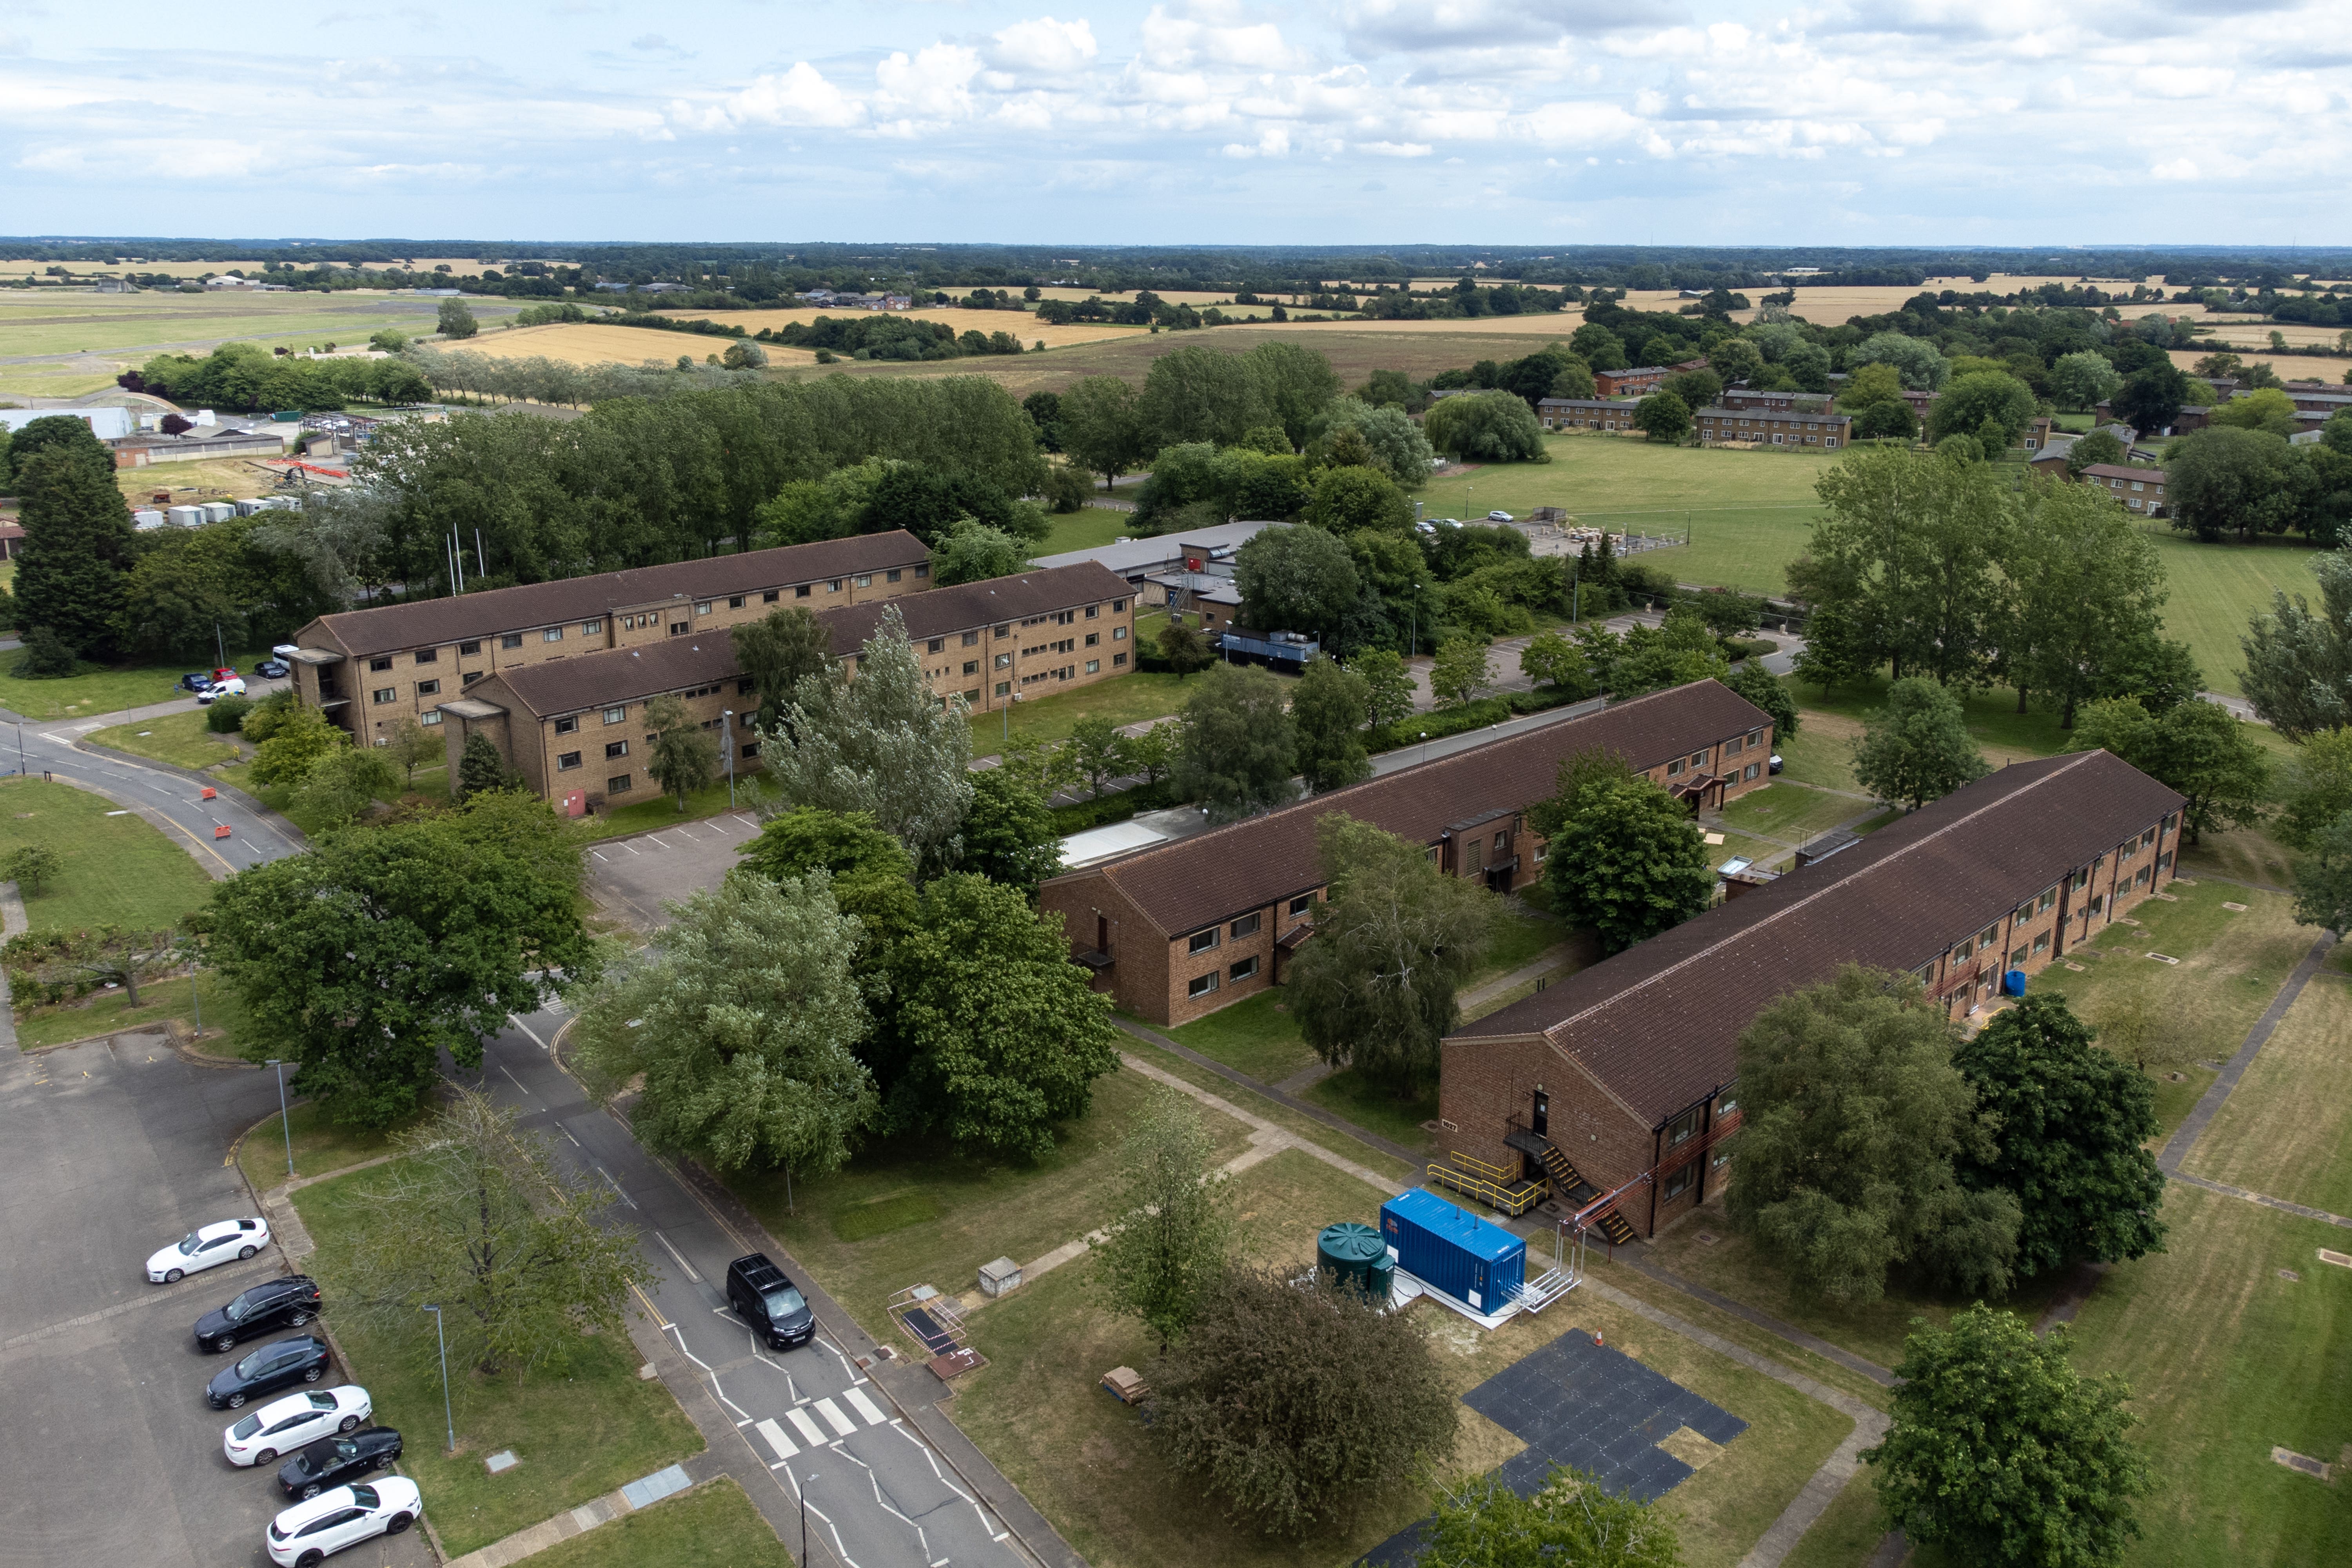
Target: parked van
763 1297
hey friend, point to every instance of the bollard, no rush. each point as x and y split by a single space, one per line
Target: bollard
221 831
210 792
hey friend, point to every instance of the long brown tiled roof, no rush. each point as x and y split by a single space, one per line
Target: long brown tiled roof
1248 865
430 623
939 611
1658 1026
620 674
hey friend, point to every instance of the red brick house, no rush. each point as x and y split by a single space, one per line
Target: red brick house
1623 1078
1636 382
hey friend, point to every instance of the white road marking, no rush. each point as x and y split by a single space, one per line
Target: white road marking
749 823
784 1447
832 1413
674 1252
806 1427
567 1133
630 848
863 1405
527 1030
512 1079
623 1196
598 853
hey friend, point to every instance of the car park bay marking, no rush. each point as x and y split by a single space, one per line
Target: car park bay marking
806 1427
784 1447
865 1406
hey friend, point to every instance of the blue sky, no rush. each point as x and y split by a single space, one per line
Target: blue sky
1202 122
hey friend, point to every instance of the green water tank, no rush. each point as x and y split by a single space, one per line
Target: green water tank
1380 1278
1345 1251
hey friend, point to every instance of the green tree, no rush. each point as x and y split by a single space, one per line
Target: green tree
1838 651
1919 362
33 867
1350 498
878 743
1551 659
1291 1405
1916 748
1984 403
1239 747
1296 579
342 786
1574 380
2315 787
1459 672
298 742
1394 940
412 746
71 568
2075 1126
2150 399
744 355
2222 481
1175 1219
456 320
744 1020
2100 446
994 1035
2083 379
2085 588
974 553
1101 427
2322 878
685 756
1855 1122
1388 686
2298 672
2005 1456
1486 428
1097 750
1009 834
475 1215
1572 1520
1678 652
1662 416
481 769
1153 754
1200 394
1186 651
46 657
2199 748
872 877
364 958
1870 386
776 651
1762 688
1625 861
1297 384
1327 709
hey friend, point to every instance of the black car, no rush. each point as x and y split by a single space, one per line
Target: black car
286 1303
763 1297
333 1462
271 669
272 1367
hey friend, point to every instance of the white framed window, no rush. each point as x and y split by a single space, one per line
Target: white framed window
1202 985
384 694
615 715
430 719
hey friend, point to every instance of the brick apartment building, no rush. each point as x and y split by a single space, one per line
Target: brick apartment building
1011 639
1742 400
1586 412
370 669
1622 1078
1636 382
2139 489
1179 931
1827 429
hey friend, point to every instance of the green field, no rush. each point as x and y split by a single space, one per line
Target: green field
1123 700
177 738
713 1526
106 689
2286 1130
1089 528
134 326
119 869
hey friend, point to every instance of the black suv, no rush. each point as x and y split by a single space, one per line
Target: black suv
272 1367
764 1297
286 1303
333 1462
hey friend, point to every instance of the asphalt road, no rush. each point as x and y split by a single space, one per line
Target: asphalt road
111 1455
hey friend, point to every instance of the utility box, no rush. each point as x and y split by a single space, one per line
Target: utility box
184 516
1451 1250
998 1278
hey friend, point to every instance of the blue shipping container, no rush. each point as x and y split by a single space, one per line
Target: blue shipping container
1451 1251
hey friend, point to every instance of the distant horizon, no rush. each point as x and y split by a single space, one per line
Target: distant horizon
1506 249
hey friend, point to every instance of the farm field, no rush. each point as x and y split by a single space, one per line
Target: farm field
589 343
2289 367
1020 324
130 327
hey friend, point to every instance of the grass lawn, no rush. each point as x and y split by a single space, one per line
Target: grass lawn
2232 964
117 868
580 1431
1789 813
1088 1462
910 1211
101 688
1256 1035
108 1012
1124 699
713 1526
177 738
655 812
1525 932
2218 588
1378 1110
2226 1358
319 1146
1821 751
1847 1535
2286 1130
1089 528
2247 855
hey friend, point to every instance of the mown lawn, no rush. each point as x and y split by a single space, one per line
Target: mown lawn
108 1012
101 688
2286 1129
1376 1108
658 810
1256 1035
319 1146
912 1211
579 1430
1123 700
177 738
1090 1464
713 1526
118 867
1791 813
1089 528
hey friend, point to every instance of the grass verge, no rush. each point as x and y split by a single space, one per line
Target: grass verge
2286 1129
118 867
713 1526
1256 1035
1089 528
319 1146
160 1001
659 811
580 1431
95 689
1123 700
180 739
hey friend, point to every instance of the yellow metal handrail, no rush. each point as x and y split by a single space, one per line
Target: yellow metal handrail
1513 1201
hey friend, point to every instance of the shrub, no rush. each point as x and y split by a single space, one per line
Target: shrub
1066 489
226 715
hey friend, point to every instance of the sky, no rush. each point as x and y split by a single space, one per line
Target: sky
1190 121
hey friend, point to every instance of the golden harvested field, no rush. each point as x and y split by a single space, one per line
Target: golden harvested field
1020 324
2289 367
585 342
1196 297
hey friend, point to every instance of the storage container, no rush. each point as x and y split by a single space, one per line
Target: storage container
1453 1251
1345 1252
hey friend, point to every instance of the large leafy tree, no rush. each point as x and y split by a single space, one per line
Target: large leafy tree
1486 426
1297 385
1239 747
362 959
2076 1121
1916 748
2087 587
744 1019
2322 878
1388 687
1008 832
1626 859
1662 416
1201 393
994 1036
1296 579
2222 481
1572 1521
2150 397
2083 379
476 1217
1374 989
2316 788
1292 1404
2005 1456
2199 748
879 744
1855 1120
1327 708
71 571
1763 688
777 651
1990 405
1348 499
1168 1244
684 756
2298 673
1101 428
974 553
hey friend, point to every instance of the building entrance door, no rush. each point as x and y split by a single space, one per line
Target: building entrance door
1540 1116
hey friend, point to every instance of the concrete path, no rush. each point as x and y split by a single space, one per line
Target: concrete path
1551 959
2176 1147
1387 1146
643 1492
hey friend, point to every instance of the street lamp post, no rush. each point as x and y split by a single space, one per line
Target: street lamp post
283 1121
1425 745
727 739
447 1414
802 1491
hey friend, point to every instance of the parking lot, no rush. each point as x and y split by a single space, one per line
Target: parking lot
632 878
111 1453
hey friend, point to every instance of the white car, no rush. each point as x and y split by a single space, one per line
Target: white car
1498 517
285 1425
306 1533
206 1246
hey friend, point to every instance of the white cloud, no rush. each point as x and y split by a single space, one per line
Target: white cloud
1043 47
797 96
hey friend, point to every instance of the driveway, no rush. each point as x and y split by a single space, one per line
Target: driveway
107 1152
634 878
